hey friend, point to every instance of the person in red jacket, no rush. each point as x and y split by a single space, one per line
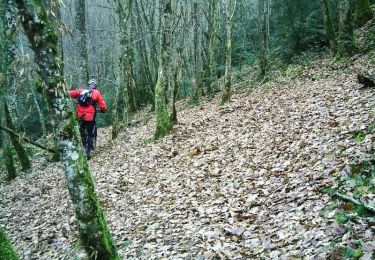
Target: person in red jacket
86 112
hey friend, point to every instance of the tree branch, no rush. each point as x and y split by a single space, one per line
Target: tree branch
354 201
26 139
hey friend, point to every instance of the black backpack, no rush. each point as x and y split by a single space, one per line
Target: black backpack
85 98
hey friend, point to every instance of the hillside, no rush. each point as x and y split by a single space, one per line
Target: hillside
240 181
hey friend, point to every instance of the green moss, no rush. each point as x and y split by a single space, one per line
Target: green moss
6 250
163 121
294 71
91 219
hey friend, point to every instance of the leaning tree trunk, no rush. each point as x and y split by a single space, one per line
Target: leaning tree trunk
329 25
227 92
163 121
6 249
92 226
81 40
363 12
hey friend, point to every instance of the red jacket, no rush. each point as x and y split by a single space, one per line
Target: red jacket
87 113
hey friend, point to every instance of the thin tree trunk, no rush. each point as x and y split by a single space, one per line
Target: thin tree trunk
263 16
195 95
40 114
346 27
176 85
163 121
115 112
227 91
81 40
329 25
211 33
92 226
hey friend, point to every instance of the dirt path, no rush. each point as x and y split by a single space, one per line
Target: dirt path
235 182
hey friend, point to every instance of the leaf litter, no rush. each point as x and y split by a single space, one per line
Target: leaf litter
236 182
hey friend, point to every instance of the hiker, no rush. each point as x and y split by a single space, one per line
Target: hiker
88 100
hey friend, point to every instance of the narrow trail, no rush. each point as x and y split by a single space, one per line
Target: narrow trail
235 182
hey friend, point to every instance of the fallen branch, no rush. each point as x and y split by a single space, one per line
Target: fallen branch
354 201
26 139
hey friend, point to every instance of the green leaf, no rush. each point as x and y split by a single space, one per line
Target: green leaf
126 243
360 136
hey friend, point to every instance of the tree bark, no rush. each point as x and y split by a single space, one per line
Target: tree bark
346 28
91 223
20 150
195 91
163 120
329 25
9 58
81 40
263 30
210 74
227 92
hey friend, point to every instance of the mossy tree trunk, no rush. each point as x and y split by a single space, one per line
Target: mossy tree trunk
345 37
124 14
20 150
196 84
7 151
327 18
4 139
6 249
227 91
80 37
9 12
363 12
263 32
93 231
176 84
163 121
209 70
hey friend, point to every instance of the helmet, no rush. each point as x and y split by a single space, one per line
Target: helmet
92 83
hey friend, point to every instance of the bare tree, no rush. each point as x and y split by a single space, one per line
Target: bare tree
230 8
163 120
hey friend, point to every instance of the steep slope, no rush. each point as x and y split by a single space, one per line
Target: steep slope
235 182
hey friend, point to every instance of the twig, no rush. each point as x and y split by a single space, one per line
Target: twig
26 139
354 201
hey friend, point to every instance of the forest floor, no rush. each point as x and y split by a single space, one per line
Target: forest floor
236 182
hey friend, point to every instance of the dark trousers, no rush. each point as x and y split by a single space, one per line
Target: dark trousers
88 133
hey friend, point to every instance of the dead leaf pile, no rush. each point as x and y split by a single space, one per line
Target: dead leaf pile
237 182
